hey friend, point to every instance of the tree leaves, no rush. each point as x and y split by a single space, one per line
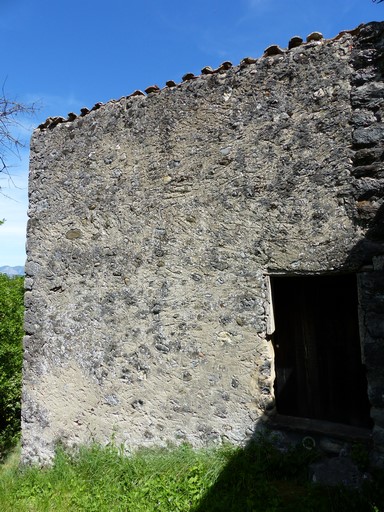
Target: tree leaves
11 355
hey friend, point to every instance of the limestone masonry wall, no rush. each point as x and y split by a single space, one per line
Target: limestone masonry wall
155 222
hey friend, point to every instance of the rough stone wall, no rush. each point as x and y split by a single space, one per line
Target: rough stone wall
367 100
154 222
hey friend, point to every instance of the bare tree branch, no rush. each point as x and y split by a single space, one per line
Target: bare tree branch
10 112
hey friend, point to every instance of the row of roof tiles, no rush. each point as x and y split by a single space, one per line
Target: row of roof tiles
272 50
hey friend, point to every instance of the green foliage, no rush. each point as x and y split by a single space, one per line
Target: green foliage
259 478
11 333
99 479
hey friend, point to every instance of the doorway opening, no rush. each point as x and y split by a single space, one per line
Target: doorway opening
319 371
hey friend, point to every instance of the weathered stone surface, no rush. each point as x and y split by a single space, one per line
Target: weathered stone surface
337 471
153 223
369 135
368 156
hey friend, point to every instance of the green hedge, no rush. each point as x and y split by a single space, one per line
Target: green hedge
11 356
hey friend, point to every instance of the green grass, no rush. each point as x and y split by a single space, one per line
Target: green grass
256 479
103 479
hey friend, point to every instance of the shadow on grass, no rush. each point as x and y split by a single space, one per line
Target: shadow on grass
262 478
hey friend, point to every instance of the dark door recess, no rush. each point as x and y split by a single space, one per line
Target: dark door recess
319 373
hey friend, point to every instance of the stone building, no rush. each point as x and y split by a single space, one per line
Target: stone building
207 259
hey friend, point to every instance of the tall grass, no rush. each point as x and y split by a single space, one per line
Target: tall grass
98 479
259 478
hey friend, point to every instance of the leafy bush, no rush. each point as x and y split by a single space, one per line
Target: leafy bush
11 333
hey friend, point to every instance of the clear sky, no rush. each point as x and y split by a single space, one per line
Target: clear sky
65 55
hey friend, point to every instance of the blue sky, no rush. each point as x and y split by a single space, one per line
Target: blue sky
65 55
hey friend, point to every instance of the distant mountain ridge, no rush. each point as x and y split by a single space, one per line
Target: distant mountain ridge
12 271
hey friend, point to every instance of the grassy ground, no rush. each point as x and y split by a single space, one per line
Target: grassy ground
256 479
